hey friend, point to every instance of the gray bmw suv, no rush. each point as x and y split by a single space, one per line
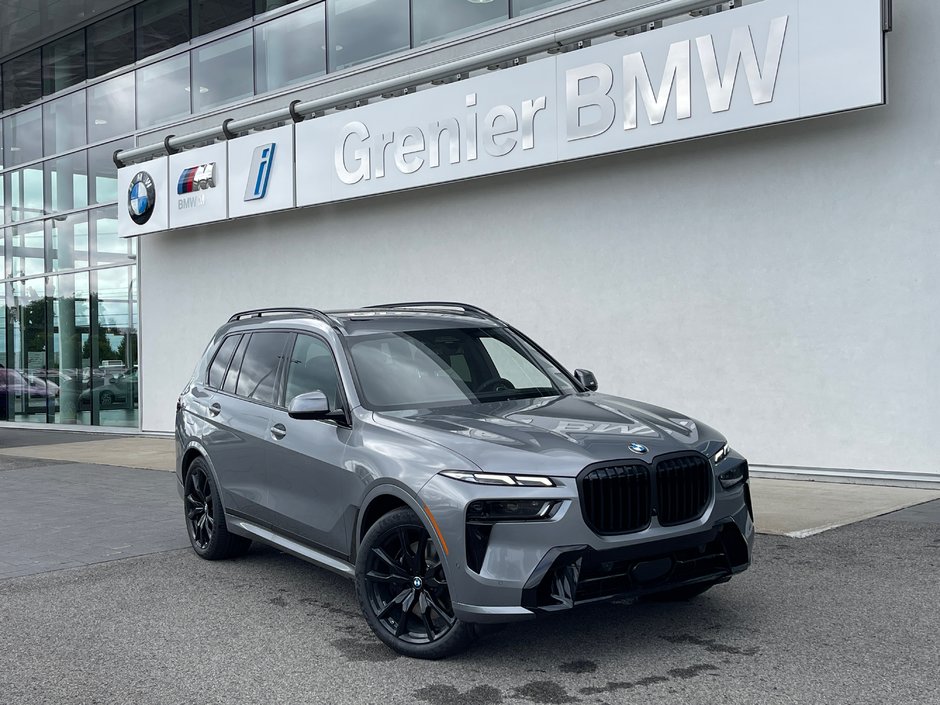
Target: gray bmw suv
452 468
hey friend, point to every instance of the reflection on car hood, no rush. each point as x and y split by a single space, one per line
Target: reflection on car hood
554 435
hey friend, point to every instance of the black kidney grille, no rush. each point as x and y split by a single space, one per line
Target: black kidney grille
616 499
683 488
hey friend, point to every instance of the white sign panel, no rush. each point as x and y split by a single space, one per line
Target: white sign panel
483 125
198 182
769 62
142 198
764 63
261 172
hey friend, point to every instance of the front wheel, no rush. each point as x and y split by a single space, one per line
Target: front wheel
403 591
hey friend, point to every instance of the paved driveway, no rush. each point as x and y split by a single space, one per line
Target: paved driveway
848 616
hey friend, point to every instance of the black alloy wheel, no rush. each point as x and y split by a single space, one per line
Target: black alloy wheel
403 591
106 399
199 508
205 519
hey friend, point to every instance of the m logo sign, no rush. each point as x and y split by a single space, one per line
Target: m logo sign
260 171
196 178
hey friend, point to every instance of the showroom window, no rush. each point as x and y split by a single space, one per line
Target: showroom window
73 337
161 25
66 182
163 91
63 123
63 63
27 250
22 137
361 30
22 80
210 15
222 72
437 19
25 188
111 108
67 242
290 49
110 43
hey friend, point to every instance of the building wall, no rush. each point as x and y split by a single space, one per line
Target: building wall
778 284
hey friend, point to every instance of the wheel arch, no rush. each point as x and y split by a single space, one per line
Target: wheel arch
379 501
195 451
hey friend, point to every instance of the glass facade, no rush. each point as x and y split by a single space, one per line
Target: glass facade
68 283
361 30
436 19
222 72
305 32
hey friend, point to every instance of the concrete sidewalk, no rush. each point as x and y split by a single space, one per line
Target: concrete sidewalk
793 508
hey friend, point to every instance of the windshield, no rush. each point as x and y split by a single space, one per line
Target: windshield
449 367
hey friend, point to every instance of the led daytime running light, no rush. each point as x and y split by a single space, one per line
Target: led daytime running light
487 478
721 454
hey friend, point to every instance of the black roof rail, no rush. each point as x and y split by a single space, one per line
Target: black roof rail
259 312
466 308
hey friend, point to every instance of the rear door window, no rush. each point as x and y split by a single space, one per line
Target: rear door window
221 361
258 376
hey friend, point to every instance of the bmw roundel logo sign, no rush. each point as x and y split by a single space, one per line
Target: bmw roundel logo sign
141 197
638 448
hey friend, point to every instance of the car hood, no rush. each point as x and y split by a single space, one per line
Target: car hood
554 435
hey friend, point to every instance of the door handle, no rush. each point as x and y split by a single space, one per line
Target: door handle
215 409
278 431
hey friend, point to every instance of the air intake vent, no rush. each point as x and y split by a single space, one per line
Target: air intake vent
616 499
683 488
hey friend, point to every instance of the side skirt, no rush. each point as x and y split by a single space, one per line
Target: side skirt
324 560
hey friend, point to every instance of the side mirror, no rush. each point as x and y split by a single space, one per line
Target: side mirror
587 379
312 405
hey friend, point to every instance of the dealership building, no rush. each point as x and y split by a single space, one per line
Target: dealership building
730 209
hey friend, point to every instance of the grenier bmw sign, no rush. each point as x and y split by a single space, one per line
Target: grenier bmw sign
764 63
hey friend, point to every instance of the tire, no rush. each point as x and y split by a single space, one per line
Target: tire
396 554
106 399
205 518
680 594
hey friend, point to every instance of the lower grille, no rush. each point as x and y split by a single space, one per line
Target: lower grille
616 499
683 488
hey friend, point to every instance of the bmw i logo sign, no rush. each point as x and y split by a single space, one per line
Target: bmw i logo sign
141 197
638 448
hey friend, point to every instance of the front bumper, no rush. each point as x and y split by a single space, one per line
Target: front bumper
532 567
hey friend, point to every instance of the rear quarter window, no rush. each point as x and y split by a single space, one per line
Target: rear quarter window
220 362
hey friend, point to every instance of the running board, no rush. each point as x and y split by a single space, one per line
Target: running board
324 560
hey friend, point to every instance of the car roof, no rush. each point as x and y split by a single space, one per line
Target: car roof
378 319
365 321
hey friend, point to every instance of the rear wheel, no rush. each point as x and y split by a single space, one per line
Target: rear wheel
205 520
403 591
106 399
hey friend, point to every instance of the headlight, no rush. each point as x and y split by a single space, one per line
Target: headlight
721 454
487 478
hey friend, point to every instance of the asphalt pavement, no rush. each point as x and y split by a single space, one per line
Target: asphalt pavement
845 616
